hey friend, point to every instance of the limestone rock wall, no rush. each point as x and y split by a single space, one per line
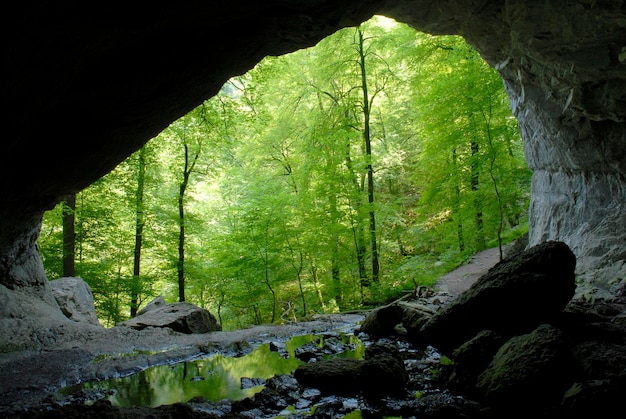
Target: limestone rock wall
565 72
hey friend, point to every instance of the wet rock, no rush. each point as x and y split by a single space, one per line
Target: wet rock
594 398
332 376
328 345
471 359
435 405
383 372
247 382
330 409
104 409
414 317
280 392
512 298
382 321
181 317
400 318
286 385
529 372
74 297
380 373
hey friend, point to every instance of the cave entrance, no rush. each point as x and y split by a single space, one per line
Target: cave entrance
273 199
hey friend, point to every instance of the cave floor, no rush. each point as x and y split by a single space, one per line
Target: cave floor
77 353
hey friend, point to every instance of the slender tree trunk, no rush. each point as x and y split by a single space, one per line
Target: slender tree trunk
69 235
316 285
492 162
188 168
298 267
457 205
474 180
181 232
266 261
335 273
139 223
357 228
335 270
368 156
220 304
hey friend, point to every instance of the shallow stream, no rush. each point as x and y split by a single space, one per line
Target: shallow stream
217 377
256 380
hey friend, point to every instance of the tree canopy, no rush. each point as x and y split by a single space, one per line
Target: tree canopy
331 178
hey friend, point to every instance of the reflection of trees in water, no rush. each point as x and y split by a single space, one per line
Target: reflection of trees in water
214 378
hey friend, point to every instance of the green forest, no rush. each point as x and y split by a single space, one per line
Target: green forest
334 178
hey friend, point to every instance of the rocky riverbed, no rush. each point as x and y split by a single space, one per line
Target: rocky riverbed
513 344
34 392
75 353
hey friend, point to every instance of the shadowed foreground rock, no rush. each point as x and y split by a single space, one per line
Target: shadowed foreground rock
536 366
103 409
519 344
381 373
514 297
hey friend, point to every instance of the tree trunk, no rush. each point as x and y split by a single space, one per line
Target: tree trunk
316 285
139 223
188 168
264 253
296 260
492 162
69 235
181 239
475 179
368 157
456 209
335 270
357 228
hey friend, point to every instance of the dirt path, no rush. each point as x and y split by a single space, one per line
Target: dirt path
464 276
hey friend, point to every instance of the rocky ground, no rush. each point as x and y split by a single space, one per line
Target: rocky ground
68 353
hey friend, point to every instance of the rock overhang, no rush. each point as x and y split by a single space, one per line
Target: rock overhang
88 86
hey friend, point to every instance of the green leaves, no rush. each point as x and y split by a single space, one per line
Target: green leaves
276 213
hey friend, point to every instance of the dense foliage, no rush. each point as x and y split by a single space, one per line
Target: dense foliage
323 180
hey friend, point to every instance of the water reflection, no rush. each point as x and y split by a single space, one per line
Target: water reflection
214 378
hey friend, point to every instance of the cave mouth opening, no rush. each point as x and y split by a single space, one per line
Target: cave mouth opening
564 79
438 119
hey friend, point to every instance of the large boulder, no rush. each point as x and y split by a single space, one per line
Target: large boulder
74 297
331 376
155 303
403 317
535 367
573 367
181 317
381 373
512 298
471 359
